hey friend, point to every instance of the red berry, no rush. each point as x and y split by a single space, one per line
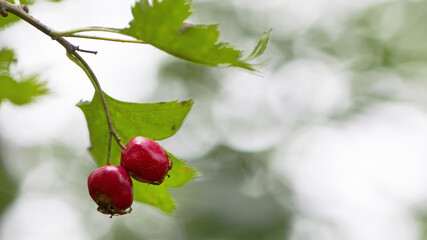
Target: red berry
111 188
145 160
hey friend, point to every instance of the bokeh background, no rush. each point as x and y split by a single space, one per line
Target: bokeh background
326 142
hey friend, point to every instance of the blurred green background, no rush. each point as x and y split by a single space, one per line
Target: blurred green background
325 142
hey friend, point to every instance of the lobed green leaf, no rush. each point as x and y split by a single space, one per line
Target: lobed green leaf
18 91
162 25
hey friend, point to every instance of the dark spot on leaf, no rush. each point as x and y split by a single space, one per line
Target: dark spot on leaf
173 127
161 102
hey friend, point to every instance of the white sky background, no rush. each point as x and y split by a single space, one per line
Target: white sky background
357 180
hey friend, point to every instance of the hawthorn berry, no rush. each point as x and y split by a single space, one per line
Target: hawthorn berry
145 160
111 188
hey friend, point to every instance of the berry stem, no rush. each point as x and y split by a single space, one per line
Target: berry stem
109 148
76 58
72 54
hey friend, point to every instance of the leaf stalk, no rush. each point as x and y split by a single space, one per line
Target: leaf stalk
73 33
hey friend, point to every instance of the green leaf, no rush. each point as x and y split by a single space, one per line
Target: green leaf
156 121
162 25
22 91
152 120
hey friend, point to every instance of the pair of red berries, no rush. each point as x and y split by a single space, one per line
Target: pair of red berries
111 187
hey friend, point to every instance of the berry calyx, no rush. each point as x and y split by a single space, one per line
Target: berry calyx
145 160
111 188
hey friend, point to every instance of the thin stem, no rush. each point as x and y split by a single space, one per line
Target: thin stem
105 38
91 75
19 11
109 148
72 33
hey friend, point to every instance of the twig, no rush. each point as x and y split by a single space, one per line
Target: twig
86 51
